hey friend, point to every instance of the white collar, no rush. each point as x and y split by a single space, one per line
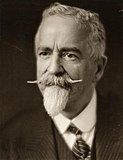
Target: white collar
85 121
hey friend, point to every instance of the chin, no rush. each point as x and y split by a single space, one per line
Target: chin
55 99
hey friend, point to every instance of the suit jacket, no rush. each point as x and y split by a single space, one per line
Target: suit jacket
32 135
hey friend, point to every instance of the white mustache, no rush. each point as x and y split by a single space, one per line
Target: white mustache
69 80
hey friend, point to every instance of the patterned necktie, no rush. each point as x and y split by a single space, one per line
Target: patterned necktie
80 149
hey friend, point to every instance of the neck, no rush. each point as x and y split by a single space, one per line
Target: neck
76 106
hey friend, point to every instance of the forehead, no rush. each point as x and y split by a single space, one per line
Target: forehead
62 23
61 31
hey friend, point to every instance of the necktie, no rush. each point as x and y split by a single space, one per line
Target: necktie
80 149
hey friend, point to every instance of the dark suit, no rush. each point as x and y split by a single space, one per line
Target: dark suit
33 136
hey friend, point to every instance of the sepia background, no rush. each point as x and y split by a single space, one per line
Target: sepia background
19 20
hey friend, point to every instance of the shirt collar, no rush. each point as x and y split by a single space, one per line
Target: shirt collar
85 121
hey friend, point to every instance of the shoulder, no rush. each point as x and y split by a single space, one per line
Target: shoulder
24 122
24 126
110 113
110 103
24 133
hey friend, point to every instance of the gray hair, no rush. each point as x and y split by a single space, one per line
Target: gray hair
96 40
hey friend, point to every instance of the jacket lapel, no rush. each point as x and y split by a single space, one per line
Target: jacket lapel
39 145
64 153
48 146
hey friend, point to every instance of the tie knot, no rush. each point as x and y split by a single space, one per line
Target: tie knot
80 149
73 129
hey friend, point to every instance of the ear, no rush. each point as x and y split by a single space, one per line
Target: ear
100 67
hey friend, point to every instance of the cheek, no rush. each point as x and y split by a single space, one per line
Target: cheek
83 70
41 67
89 73
75 71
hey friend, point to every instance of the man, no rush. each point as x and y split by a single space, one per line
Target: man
77 124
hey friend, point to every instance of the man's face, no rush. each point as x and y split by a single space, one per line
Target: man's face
62 49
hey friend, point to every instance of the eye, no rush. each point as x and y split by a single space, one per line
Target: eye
44 54
69 56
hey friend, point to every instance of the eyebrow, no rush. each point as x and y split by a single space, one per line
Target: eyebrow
64 49
44 48
71 49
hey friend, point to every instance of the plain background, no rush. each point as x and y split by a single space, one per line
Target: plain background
19 20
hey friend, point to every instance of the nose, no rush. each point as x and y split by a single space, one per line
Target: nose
55 66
